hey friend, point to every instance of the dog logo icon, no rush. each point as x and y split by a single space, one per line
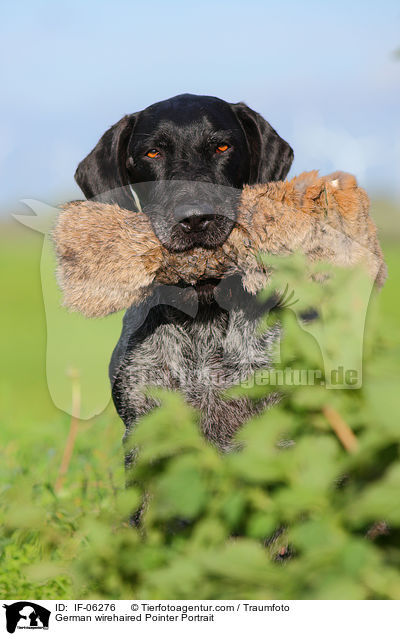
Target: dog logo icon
26 615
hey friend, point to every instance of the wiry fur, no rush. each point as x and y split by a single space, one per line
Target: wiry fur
201 358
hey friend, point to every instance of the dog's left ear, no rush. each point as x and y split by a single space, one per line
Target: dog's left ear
270 155
103 171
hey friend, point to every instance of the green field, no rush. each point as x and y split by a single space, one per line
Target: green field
58 545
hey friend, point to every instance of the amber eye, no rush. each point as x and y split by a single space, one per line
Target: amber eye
153 153
222 148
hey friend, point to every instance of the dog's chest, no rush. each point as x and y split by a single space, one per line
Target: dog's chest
216 353
201 358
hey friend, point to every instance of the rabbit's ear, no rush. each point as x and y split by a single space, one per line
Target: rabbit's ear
271 156
102 174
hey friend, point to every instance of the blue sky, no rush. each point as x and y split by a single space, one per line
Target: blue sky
323 73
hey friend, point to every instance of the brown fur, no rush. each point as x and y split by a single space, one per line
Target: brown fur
109 258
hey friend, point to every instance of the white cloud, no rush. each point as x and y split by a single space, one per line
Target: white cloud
333 147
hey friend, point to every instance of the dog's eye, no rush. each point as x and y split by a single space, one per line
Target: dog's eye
153 153
221 148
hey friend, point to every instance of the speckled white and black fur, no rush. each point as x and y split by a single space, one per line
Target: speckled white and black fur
201 347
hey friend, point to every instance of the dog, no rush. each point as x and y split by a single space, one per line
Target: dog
184 161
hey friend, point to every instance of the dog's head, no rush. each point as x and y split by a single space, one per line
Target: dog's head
186 159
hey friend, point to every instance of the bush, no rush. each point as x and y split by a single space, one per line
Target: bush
316 479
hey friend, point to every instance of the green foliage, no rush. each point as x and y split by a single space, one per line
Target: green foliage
218 526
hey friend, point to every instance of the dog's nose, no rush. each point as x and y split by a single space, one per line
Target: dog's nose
195 223
194 218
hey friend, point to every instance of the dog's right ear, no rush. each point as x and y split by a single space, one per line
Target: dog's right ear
104 169
270 155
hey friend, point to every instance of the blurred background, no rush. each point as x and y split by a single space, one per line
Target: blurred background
326 76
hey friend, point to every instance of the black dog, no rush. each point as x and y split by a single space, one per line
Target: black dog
187 158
